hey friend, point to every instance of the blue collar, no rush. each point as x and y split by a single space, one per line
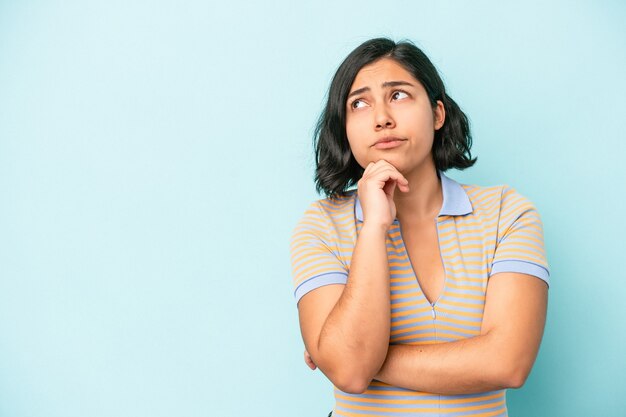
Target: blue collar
455 200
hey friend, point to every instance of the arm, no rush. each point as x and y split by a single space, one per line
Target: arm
346 328
500 357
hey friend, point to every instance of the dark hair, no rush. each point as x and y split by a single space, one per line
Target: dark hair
336 169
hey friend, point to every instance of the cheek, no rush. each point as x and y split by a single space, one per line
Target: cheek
358 150
354 132
420 119
351 129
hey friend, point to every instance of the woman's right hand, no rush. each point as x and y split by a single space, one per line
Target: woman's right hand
376 188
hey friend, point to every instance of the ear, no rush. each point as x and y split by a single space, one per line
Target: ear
439 113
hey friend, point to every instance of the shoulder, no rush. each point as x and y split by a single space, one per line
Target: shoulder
497 198
502 209
327 219
331 210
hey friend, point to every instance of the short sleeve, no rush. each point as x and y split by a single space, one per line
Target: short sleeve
520 245
314 260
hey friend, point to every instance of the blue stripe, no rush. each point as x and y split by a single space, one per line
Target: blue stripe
522 267
318 281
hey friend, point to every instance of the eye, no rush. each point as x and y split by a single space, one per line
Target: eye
399 94
357 104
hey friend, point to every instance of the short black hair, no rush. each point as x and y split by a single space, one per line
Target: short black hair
336 169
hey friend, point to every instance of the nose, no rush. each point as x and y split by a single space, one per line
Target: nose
383 118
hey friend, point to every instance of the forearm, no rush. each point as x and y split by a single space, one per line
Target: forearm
355 337
478 364
500 357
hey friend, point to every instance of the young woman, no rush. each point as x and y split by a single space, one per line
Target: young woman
417 295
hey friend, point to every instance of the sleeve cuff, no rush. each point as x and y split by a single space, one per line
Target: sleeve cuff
521 267
319 281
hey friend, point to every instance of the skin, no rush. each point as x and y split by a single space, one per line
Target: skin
346 327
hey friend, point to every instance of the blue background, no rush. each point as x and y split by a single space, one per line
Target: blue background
155 156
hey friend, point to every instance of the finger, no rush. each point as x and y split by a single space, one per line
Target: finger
368 168
383 166
384 174
308 360
377 166
389 187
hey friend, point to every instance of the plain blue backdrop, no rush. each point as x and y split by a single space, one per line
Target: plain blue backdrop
155 157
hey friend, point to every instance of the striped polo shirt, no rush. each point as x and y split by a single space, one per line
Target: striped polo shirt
481 231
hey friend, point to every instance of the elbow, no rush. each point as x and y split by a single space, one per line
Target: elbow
517 377
354 375
350 379
347 379
514 375
508 366
351 384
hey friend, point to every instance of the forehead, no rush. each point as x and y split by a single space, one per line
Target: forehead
378 72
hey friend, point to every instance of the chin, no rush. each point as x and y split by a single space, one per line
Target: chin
397 161
406 169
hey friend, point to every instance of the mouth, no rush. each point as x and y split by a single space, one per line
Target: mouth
388 142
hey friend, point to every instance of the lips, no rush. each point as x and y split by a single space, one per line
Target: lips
389 142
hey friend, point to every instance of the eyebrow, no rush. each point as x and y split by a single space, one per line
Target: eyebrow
386 84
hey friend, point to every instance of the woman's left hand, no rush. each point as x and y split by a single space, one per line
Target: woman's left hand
309 361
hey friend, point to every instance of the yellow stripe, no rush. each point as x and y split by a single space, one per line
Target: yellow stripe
460 304
460 322
395 280
465 262
407 263
413 329
397 323
425 409
301 258
335 206
395 297
465 287
315 264
502 251
405 287
460 313
404 304
436 333
414 400
436 327
409 312
468 296
536 236
478 191
535 260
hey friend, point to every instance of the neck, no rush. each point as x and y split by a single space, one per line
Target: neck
424 200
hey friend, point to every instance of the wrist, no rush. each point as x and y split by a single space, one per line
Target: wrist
375 228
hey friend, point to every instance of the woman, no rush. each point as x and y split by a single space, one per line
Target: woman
417 295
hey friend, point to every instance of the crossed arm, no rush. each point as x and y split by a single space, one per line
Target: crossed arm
500 357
